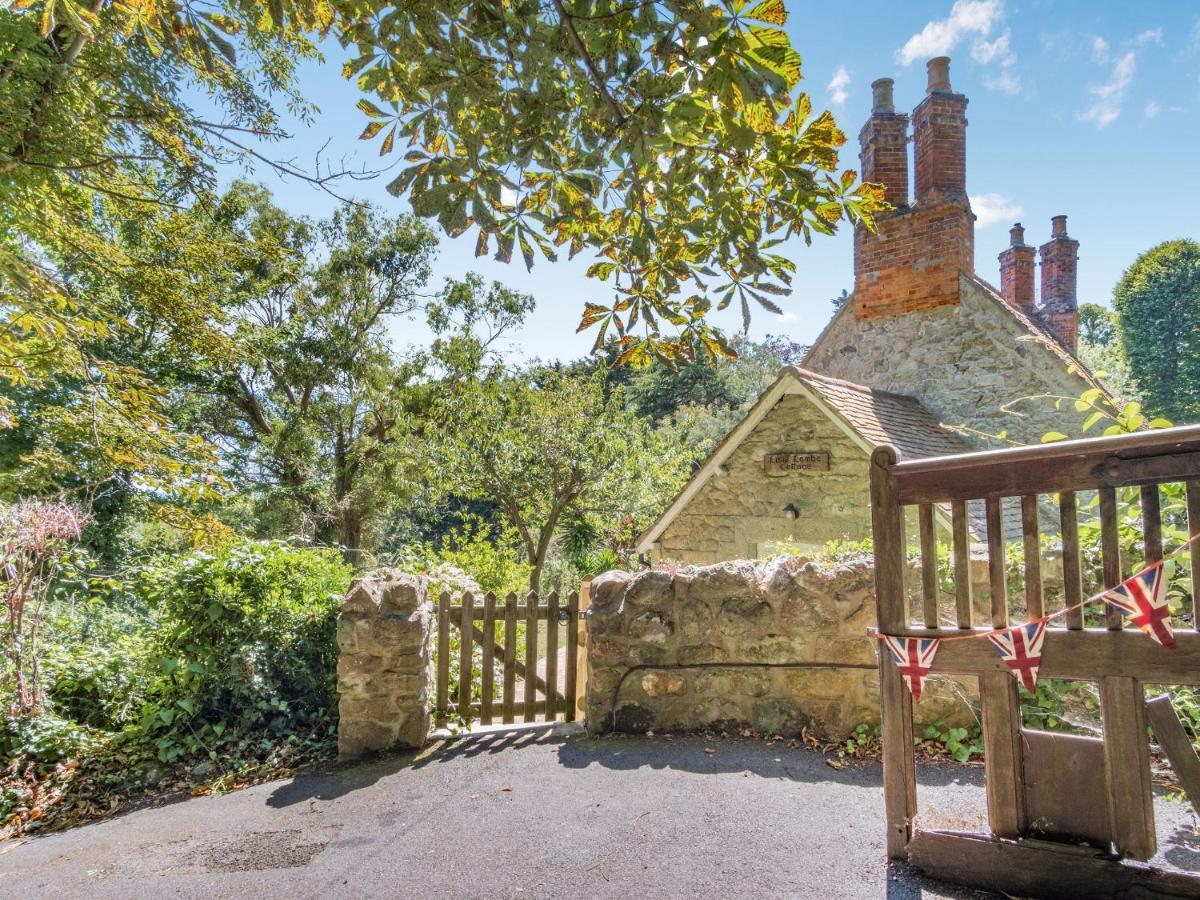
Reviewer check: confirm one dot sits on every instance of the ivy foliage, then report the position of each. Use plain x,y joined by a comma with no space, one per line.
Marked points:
246,645
666,137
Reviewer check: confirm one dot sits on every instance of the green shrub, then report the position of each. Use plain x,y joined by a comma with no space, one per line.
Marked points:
246,645
101,656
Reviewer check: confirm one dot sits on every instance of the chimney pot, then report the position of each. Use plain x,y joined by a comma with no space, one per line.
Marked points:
1017,235
939,74
881,96
1060,263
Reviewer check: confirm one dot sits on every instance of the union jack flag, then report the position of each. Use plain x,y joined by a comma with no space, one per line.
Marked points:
1021,649
914,657
1144,599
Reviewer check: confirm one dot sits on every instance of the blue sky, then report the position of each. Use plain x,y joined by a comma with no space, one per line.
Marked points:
1084,107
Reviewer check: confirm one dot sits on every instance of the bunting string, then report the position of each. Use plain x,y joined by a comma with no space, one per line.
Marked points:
1142,597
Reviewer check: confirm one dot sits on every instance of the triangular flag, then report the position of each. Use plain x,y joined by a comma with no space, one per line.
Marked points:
914,656
1021,649
1144,599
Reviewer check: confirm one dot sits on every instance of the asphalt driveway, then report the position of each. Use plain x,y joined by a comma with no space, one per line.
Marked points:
545,813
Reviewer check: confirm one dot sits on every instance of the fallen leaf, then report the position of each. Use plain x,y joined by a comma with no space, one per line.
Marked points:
835,763
474,796
709,750
506,790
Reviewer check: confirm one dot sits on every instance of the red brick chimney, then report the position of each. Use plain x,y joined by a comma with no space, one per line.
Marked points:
1016,272
913,259
940,137
884,140
1060,268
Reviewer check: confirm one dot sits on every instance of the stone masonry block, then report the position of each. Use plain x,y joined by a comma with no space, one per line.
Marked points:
383,635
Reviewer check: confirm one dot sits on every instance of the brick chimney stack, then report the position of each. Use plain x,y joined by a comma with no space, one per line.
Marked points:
914,259
1016,272
1060,268
940,137
884,140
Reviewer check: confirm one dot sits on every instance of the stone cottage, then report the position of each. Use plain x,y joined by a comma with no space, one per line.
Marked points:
924,355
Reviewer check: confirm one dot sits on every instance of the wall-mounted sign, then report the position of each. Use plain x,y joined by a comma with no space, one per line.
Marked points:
805,461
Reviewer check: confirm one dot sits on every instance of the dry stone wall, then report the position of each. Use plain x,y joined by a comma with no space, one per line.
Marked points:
383,635
772,646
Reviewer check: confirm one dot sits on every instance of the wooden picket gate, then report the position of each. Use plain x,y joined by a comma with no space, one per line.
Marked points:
1094,789
548,685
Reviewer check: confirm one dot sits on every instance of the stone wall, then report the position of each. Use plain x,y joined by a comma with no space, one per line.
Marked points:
963,362
771,646
734,513
383,635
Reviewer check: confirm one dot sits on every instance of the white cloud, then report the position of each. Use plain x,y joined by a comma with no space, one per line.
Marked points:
992,51
838,85
1152,109
968,18
1005,82
1111,94
992,208
1100,49
974,21
1149,36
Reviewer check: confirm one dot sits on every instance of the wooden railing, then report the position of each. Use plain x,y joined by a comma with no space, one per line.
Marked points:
1119,661
521,638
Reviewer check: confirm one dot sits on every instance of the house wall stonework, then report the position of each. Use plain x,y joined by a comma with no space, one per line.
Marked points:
771,646
963,362
736,512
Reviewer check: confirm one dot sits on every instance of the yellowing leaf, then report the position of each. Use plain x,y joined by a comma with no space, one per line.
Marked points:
772,11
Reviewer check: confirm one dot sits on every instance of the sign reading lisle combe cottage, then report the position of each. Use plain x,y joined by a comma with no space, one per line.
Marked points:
805,461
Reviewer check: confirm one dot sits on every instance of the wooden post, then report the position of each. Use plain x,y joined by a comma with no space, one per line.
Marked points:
465,662
1193,510
531,657
579,700
997,581
1068,518
487,694
929,579
1127,760
1002,756
552,657
964,611
510,657
571,675
1033,556
895,702
1176,745
1110,552
443,660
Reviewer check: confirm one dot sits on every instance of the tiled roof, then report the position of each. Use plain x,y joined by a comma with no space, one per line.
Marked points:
882,417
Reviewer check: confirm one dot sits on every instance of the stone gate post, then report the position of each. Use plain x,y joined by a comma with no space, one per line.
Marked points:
383,636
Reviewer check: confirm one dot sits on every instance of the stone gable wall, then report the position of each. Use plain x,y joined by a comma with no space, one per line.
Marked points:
771,646
735,512
963,362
